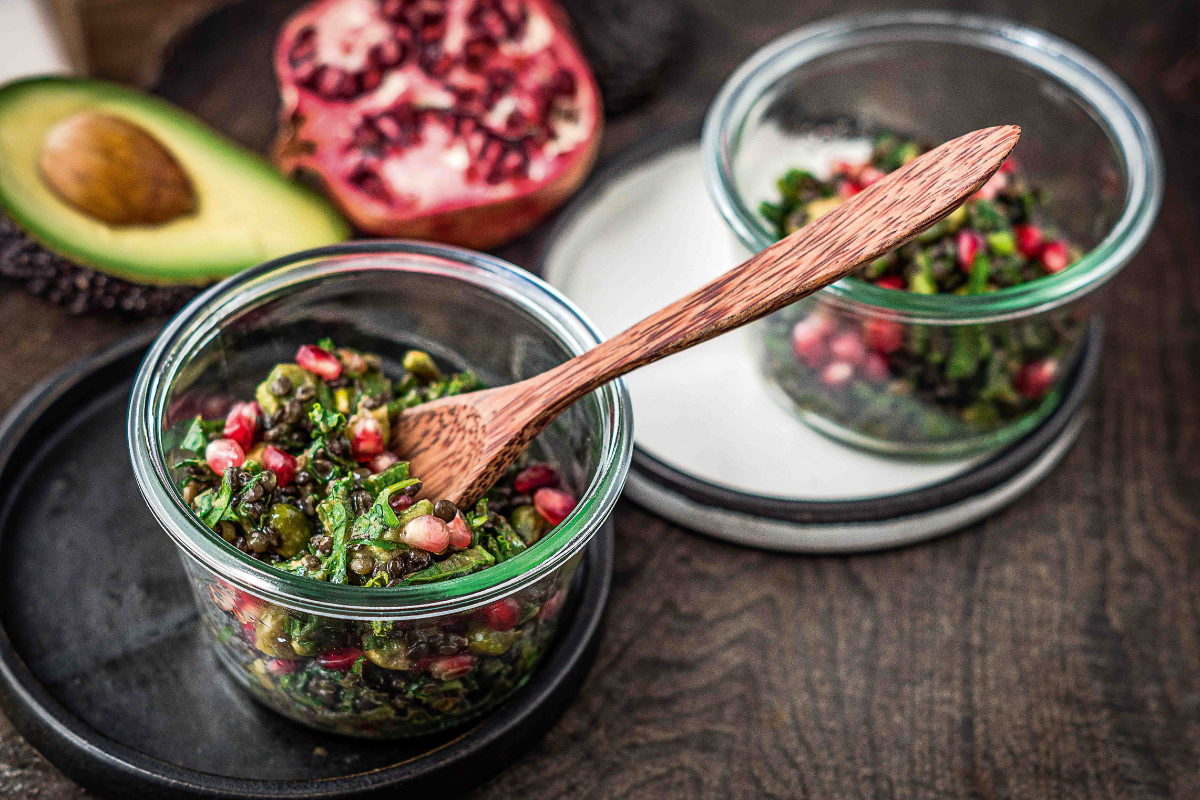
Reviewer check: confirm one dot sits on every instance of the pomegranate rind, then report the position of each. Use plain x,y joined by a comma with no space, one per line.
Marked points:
438,182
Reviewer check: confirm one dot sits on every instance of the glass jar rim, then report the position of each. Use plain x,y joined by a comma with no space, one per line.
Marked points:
1112,105
199,321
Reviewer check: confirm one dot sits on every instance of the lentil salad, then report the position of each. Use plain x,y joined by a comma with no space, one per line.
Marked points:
301,479
926,387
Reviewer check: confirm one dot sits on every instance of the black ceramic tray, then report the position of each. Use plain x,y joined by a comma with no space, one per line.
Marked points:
102,667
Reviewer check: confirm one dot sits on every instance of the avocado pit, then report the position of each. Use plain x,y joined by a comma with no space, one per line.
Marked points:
115,171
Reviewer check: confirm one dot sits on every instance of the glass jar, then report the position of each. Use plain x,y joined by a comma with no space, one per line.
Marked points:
935,375
432,662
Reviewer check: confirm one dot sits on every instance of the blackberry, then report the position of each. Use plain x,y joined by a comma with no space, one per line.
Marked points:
80,289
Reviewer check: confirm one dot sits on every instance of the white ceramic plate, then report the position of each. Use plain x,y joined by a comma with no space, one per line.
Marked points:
715,451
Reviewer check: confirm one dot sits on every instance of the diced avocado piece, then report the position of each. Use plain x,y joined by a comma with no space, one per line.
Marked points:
417,509
271,633
420,364
528,523
389,654
484,641
296,374
292,526
956,218
504,543
454,566
819,208
228,208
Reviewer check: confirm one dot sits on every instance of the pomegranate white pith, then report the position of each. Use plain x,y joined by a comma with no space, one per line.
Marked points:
464,121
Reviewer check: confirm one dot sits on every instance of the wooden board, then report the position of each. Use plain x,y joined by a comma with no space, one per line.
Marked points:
1052,651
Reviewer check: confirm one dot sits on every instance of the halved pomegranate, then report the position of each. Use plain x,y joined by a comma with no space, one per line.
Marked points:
464,121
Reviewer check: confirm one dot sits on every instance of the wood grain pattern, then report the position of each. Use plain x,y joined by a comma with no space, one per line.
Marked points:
1052,651
461,445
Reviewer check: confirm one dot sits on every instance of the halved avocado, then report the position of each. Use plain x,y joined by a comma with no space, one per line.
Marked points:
241,210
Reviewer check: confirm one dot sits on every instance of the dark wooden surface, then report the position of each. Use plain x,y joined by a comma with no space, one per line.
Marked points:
1051,651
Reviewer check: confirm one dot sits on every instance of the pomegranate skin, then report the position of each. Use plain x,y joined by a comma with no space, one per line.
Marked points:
349,69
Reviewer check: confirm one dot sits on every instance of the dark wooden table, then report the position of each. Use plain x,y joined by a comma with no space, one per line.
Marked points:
1051,651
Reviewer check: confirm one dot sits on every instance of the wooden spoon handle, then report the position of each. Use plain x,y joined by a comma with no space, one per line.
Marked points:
869,224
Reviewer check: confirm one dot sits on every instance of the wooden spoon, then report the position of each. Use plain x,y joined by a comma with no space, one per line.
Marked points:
459,446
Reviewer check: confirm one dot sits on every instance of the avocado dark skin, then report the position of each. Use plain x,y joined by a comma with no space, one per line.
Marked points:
79,289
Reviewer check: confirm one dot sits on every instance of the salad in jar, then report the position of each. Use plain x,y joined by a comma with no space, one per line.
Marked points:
301,477
926,389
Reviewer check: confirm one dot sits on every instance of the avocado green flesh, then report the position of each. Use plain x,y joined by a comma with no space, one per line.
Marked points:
248,213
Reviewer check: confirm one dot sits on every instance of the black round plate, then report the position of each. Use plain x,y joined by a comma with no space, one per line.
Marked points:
1002,467
102,666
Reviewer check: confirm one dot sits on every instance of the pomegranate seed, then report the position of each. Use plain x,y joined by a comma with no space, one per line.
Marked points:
224,595
969,243
869,176
281,463
1035,378
341,659
1029,240
241,423
884,335
450,667
366,438
318,361
248,608
848,347
384,460
400,502
553,504
552,605
848,188
808,339
281,666
501,615
995,184
845,168
533,478
893,282
876,368
221,454
426,532
1055,256
837,373
353,362
460,532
